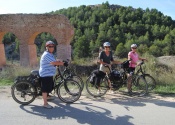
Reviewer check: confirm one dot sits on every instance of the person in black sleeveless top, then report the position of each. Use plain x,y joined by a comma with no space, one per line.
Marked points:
106,58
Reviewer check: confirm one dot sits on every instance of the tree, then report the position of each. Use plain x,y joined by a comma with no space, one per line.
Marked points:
121,50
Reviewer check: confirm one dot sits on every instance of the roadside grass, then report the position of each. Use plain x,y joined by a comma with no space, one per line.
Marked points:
6,82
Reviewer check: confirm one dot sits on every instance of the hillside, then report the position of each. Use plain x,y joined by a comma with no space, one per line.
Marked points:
122,26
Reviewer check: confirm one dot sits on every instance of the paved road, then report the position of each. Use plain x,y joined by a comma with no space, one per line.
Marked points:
116,109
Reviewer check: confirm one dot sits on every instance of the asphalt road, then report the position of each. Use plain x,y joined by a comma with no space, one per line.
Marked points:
115,109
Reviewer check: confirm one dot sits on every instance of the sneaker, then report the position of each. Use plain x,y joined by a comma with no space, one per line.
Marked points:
47,106
50,97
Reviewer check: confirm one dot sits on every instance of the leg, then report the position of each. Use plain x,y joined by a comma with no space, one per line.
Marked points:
129,85
44,94
46,88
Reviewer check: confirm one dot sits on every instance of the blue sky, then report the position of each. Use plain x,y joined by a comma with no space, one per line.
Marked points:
167,7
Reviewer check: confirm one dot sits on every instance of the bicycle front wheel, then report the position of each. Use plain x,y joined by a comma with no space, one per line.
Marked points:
150,81
69,91
77,79
97,89
23,92
139,85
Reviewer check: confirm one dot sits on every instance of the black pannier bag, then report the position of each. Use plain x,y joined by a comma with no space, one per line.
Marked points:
22,79
33,79
96,77
125,64
115,75
36,81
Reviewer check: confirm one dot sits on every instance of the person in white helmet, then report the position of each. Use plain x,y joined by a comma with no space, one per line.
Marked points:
134,57
47,70
106,58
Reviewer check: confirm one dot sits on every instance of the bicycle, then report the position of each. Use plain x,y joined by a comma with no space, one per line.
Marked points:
118,79
27,88
68,73
149,79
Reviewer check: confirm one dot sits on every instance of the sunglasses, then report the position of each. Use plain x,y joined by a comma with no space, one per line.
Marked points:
134,48
107,46
51,46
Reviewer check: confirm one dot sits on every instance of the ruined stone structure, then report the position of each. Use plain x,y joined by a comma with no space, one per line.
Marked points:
27,26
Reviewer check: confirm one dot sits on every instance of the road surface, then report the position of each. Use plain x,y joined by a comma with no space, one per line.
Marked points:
115,109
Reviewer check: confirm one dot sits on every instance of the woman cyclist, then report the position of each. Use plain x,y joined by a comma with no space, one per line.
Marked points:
47,70
134,57
105,59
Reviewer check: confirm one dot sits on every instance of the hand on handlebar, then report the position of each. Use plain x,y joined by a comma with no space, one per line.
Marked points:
107,65
140,63
65,63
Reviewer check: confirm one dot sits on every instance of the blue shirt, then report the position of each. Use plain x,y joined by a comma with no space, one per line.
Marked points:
46,69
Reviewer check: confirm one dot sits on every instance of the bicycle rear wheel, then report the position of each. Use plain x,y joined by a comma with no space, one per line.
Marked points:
69,91
150,81
23,92
97,90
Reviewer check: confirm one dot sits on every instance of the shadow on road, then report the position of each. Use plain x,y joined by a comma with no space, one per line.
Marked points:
125,100
89,114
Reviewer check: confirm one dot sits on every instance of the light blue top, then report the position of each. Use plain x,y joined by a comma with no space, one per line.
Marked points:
46,69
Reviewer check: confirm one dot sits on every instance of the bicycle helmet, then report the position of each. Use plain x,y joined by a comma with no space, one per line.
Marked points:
134,46
49,43
106,44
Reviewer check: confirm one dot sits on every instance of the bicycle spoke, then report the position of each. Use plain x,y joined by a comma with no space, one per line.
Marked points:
69,91
97,89
23,93
150,81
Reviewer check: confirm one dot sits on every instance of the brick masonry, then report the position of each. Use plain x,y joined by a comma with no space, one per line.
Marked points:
27,26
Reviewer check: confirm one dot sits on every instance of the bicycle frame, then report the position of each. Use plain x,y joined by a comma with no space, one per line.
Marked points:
140,70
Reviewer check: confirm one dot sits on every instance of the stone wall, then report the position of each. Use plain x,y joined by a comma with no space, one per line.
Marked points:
27,26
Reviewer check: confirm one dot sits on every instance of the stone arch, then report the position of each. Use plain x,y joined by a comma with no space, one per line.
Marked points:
27,26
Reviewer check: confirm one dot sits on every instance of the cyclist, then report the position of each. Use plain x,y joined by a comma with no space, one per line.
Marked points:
47,70
134,57
105,58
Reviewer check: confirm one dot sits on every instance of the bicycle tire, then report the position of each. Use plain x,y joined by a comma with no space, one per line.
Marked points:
76,78
23,92
142,86
69,91
150,81
93,89
139,85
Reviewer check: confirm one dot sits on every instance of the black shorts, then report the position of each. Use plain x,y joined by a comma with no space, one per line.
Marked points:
47,84
131,70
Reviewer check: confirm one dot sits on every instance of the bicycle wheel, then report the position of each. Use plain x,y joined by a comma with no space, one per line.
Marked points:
150,81
69,91
139,85
97,90
77,79
23,92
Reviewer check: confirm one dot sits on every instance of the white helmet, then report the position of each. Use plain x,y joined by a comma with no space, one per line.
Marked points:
134,46
49,43
106,44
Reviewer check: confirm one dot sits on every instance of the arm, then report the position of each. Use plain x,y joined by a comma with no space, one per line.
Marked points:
116,62
56,63
101,62
142,59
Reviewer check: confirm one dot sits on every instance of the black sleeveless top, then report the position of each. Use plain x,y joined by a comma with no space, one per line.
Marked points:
105,58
